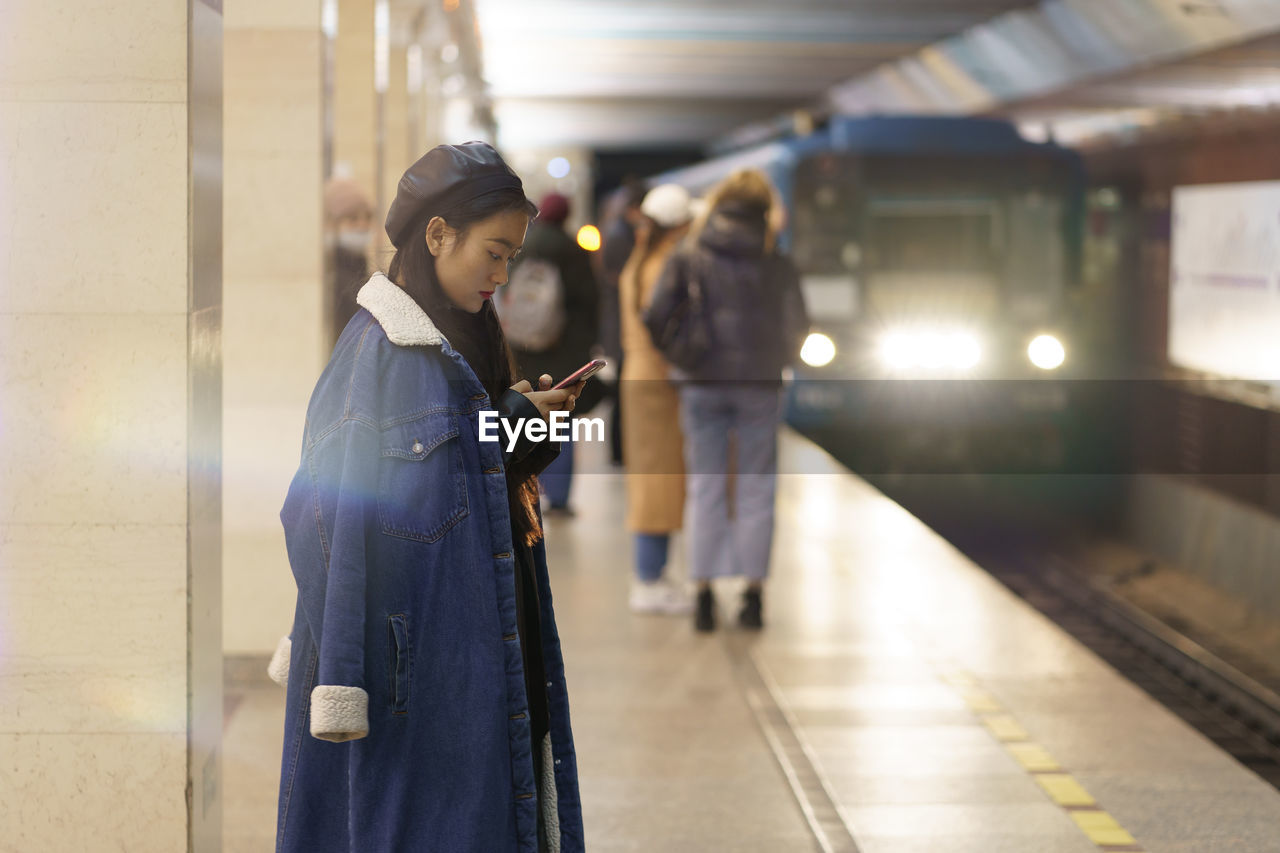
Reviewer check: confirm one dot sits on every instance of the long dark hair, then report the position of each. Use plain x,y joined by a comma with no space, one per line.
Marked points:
477,337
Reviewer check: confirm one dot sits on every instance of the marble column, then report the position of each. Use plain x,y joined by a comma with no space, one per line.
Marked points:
355,120
274,330
110,418
396,156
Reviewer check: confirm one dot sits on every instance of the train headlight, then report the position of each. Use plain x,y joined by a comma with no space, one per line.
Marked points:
1046,352
965,352
897,351
930,350
818,350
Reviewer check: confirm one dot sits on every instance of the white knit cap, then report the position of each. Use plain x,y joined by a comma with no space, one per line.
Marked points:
667,205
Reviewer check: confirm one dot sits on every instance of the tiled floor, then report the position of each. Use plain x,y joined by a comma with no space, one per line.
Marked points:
887,649
251,747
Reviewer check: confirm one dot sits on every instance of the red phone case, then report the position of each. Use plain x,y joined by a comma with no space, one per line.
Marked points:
581,373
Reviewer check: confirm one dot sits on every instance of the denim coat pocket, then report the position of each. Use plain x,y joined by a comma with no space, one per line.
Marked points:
422,489
401,664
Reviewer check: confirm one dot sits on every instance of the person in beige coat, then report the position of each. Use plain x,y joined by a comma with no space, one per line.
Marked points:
652,448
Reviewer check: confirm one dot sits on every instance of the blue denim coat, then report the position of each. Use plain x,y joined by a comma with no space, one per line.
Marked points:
407,727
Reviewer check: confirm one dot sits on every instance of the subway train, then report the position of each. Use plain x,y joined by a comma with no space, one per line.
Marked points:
938,256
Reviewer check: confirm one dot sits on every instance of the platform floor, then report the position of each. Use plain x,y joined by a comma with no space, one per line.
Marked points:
914,704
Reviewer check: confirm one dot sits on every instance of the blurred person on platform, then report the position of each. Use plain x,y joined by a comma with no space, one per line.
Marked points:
550,315
651,438
741,297
426,707
348,239
618,239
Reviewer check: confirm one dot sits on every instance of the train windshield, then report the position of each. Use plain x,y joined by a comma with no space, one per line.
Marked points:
878,221
933,235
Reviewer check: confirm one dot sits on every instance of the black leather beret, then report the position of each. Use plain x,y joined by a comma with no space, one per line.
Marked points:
444,177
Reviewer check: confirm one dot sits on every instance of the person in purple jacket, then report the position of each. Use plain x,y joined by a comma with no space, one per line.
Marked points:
754,315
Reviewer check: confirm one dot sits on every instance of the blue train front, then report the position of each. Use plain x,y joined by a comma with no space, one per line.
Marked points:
937,255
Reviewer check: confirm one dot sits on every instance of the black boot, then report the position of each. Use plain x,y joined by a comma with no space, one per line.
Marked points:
704,617
749,616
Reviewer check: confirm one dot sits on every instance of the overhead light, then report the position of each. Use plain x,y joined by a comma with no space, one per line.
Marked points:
558,167
381,45
589,237
1046,352
329,18
818,350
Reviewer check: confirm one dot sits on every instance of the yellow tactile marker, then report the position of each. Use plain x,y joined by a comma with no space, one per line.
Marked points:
1100,827
980,701
1005,728
1065,790
1033,757
959,679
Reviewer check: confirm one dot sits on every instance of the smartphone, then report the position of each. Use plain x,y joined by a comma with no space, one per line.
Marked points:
591,367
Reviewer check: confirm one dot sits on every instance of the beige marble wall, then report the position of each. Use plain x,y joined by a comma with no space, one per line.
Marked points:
109,354
273,286
355,124
396,133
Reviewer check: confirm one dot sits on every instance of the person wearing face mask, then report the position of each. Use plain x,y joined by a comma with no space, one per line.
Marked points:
426,705
348,235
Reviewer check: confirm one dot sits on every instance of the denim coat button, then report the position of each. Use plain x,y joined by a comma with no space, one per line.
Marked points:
417,447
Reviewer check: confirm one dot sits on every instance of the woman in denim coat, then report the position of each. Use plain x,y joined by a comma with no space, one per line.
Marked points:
426,702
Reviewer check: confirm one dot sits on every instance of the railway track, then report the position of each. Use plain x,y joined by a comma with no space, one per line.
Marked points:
1239,713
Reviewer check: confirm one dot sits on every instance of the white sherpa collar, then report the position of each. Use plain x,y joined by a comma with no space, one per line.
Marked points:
405,323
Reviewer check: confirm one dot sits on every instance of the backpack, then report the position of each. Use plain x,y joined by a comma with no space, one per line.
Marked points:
680,326
531,306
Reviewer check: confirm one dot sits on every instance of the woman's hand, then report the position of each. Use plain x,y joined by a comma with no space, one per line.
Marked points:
547,400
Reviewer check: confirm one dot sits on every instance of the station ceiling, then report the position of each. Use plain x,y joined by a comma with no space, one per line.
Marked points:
1234,80
629,73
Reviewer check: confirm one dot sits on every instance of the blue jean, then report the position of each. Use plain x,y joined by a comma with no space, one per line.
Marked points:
557,477
651,555
709,413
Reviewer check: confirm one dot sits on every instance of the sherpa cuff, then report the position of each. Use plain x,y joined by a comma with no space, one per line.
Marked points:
339,713
278,669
